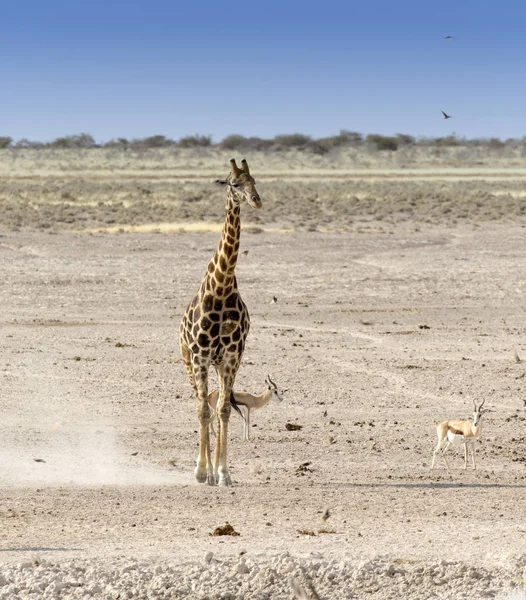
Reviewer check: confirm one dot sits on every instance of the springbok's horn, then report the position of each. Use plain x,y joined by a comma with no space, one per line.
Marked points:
474,405
482,403
234,167
271,382
244,166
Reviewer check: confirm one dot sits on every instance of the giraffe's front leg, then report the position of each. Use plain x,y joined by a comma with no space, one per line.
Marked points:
223,412
204,471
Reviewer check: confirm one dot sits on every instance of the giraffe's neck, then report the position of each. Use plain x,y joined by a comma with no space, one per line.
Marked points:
221,269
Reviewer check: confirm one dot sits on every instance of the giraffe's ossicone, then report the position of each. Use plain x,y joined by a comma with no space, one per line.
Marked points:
214,328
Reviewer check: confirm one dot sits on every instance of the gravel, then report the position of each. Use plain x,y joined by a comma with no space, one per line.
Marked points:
259,578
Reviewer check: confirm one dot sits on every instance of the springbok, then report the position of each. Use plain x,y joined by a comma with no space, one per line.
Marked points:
244,402
459,432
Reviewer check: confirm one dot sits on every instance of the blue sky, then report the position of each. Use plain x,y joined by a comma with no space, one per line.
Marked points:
137,68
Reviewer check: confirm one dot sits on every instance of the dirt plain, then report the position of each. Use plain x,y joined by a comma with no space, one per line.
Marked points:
401,300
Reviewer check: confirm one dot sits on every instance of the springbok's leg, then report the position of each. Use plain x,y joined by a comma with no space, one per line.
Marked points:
247,425
466,452
473,455
436,451
244,410
444,453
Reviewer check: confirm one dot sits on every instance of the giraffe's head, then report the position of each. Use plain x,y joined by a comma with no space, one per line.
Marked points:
242,184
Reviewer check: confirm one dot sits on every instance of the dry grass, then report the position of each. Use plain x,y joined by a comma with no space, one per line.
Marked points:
170,189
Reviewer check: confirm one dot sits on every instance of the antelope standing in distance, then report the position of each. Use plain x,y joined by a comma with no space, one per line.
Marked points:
458,432
244,402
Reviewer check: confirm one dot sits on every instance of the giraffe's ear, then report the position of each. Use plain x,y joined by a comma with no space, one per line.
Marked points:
220,182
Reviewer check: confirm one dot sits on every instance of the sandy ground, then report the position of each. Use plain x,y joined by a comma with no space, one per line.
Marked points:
376,337
382,327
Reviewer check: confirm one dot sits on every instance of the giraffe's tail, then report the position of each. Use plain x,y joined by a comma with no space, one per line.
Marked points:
235,405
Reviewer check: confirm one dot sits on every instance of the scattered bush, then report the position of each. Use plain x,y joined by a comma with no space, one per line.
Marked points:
80,140
382,142
258,144
450,140
291,140
233,142
25,143
153,141
345,139
117,143
321,146
353,138
195,141
405,140
496,143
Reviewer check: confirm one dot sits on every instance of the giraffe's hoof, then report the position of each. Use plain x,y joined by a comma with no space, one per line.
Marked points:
211,480
201,475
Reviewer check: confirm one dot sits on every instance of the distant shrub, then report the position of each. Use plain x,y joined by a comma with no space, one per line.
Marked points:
496,143
25,143
283,142
236,141
233,142
425,141
449,140
291,140
382,142
345,138
152,141
195,141
258,144
321,146
80,140
474,142
405,140
117,143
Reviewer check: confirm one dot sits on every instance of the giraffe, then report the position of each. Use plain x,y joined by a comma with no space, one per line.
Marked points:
214,328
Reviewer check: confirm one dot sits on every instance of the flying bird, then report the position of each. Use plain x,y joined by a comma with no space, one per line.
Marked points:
449,37
326,514
244,253
446,116
274,300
